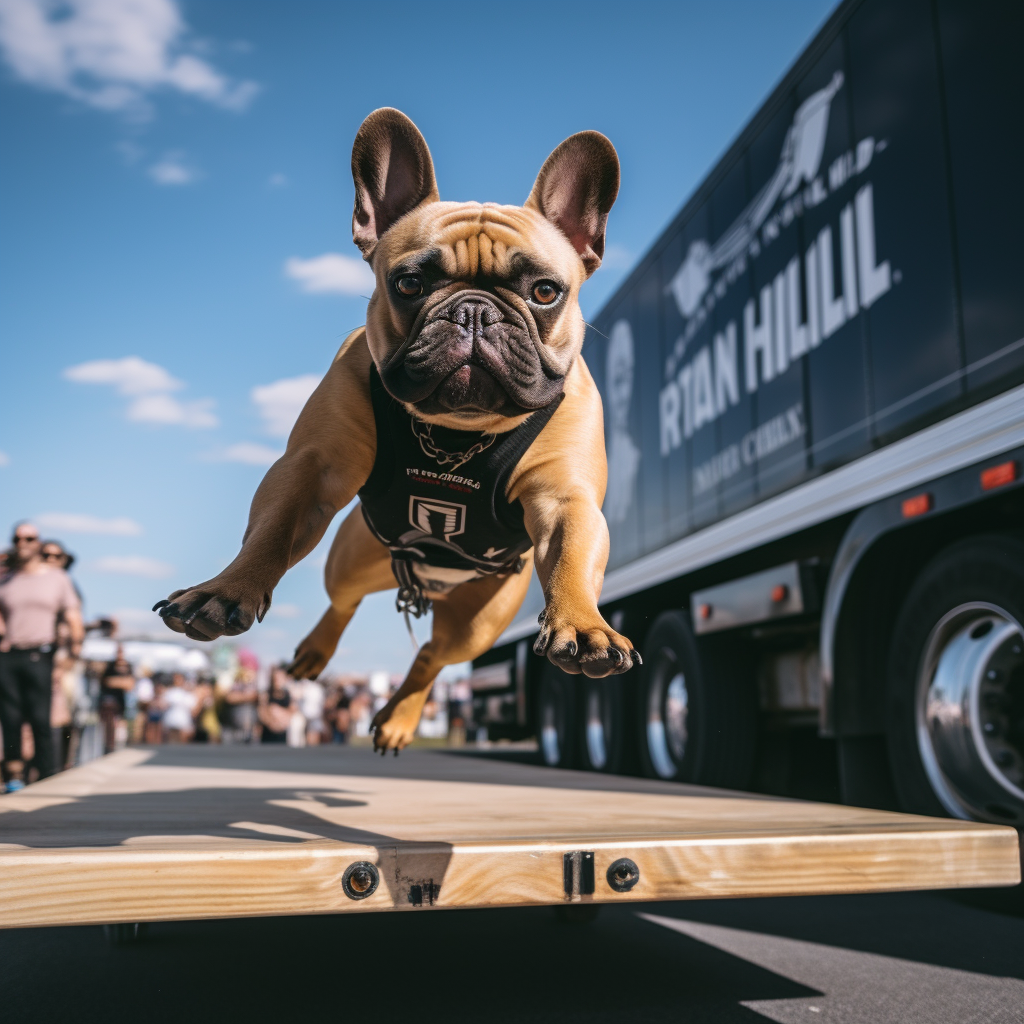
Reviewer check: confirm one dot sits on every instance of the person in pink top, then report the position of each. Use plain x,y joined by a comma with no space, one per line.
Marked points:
34,595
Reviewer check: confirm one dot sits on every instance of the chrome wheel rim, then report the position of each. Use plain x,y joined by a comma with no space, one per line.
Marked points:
970,713
667,708
597,746
549,741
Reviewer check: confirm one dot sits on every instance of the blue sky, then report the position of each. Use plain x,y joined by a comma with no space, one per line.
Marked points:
176,265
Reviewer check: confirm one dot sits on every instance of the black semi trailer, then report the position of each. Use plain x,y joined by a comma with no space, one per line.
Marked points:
813,387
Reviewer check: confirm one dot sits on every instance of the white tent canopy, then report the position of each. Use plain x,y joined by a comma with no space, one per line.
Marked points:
157,657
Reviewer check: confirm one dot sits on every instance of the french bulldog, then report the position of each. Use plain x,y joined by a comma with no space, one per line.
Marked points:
464,417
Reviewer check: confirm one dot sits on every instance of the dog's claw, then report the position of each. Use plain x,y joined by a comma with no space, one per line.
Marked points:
635,655
264,607
161,604
616,655
571,648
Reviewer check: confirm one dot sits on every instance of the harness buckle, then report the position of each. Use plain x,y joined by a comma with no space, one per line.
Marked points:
413,601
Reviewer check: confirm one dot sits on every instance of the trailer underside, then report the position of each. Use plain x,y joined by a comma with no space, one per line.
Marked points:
183,833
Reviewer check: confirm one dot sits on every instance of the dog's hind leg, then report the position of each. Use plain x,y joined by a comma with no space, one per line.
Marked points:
466,623
358,564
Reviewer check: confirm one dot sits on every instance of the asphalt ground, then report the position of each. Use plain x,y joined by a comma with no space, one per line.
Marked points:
904,957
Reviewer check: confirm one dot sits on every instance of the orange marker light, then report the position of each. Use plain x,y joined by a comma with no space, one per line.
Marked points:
998,476
704,611
917,506
779,593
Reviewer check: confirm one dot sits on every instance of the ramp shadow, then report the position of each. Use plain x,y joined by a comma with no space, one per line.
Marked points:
110,819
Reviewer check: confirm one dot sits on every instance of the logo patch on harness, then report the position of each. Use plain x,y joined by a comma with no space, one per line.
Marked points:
442,519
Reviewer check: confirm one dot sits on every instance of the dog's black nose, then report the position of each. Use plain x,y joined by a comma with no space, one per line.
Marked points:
474,315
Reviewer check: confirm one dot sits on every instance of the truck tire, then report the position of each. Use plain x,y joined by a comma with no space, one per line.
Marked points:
697,707
955,699
556,718
601,742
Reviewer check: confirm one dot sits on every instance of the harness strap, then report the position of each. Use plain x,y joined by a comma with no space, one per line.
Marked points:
410,600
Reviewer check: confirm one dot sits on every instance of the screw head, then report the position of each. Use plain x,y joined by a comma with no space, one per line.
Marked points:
360,880
623,875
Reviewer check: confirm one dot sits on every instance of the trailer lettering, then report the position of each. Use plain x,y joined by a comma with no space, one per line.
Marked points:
816,294
875,280
791,316
769,437
668,410
727,386
703,394
758,340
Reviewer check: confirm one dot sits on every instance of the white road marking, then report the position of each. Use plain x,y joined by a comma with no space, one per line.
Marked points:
861,988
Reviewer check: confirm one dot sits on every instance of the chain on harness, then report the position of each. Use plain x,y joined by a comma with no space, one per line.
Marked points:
422,433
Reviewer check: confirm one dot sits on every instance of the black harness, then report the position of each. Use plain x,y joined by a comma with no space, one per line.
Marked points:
436,497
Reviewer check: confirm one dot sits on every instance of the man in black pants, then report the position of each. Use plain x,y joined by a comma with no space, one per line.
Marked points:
32,598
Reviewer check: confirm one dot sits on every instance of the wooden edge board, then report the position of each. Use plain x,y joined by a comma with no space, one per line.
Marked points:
135,884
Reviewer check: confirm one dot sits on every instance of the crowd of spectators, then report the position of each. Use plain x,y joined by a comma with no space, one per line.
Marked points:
61,705
57,710
179,707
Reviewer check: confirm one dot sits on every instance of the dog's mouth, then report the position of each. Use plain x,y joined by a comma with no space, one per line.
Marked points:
470,388
472,354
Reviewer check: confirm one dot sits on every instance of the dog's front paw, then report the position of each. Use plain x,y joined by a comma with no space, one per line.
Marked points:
308,662
213,609
394,726
588,645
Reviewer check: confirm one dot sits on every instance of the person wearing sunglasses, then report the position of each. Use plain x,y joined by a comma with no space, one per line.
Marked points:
34,594
53,553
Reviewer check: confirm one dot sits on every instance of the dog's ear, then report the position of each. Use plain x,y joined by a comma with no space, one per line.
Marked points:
393,174
575,190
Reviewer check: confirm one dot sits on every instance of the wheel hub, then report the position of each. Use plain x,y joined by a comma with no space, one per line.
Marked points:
970,713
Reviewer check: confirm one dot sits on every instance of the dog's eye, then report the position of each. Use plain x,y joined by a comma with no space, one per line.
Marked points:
409,285
545,292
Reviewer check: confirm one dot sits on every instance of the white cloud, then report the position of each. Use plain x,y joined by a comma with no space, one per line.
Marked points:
165,409
131,375
278,180
173,169
75,522
5,459
281,402
134,565
148,385
110,54
285,611
331,272
247,452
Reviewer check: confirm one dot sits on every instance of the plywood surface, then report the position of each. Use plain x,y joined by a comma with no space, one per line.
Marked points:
192,832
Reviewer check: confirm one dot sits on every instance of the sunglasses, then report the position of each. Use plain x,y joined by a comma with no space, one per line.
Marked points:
54,556
26,540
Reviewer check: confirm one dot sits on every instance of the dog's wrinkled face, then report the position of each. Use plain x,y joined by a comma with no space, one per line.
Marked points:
475,319
475,310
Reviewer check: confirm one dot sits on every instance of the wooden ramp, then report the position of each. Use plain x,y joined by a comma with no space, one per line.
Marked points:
203,832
